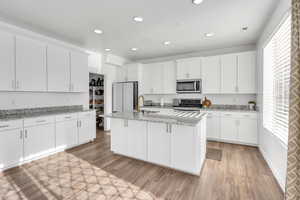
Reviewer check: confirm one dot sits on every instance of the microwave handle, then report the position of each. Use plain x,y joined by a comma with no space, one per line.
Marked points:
195,85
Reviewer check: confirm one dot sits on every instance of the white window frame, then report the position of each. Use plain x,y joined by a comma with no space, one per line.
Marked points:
283,20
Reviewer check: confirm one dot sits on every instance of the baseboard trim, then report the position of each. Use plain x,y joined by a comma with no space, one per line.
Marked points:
275,172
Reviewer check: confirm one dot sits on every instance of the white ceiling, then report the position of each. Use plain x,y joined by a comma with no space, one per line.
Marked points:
178,21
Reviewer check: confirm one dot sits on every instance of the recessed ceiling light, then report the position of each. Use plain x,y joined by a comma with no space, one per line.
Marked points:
209,34
107,49
134,49
138,19
197,2
167,42
245,28
98,31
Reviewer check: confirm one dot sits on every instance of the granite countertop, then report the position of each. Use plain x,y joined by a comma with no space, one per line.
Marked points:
159,118
213,108
6,115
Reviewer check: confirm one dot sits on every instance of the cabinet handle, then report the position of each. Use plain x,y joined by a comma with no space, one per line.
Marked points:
17,85
167,128
170,128
4,126
25,133
68,117
21,134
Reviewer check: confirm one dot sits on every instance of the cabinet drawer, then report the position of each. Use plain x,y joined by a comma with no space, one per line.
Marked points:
86,114
66,117
247,115
212,114
38,121
229,114
8,125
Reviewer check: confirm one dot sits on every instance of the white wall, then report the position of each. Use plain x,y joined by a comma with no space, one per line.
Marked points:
273,150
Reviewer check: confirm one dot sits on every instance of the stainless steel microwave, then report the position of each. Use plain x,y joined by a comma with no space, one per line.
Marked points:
189,86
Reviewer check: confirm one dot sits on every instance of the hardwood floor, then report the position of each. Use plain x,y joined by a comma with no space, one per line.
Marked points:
91,171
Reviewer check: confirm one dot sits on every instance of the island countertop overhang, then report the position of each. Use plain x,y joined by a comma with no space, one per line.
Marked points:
159,118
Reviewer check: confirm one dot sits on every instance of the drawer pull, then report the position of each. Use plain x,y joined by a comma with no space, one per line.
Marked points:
228,114
40,121
68,117
4,126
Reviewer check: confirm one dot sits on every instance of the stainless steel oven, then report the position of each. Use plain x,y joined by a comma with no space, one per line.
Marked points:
189,86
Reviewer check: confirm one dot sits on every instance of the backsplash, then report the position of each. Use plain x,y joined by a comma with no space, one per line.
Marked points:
216,99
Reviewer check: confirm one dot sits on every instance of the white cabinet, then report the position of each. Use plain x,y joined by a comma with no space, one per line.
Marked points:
247,72
211,75
7,62
58,69
11,147
31,72
79,72
248,129
189,68
229,73
159,144
66,134
39,140
152,82
213,126
137,139
133,72
229,129
169,77
121,74
86,127
183,143
119,136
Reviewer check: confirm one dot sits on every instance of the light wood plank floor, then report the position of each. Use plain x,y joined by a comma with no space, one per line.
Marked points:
91,171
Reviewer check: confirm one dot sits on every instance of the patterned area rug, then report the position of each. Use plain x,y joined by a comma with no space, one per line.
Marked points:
214,154
64,176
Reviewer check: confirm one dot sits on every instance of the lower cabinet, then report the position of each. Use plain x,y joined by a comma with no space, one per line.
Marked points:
66,134
11,147
39,140
137,139
119,136
86,127
233,127
159,143
213,126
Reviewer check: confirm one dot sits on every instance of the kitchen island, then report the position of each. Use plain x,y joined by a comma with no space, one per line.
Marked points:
176,140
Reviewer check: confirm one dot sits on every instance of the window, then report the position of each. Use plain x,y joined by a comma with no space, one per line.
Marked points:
276,81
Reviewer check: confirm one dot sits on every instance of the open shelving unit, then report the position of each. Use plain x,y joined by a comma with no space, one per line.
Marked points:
96,88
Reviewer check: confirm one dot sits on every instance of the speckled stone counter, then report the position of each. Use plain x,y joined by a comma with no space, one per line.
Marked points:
6,115
157,118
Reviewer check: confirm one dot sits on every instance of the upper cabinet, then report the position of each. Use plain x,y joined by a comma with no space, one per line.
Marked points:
211,75
159,78
79,72
58,66
7,62
229,73
246,72
134,72
189,68
31,70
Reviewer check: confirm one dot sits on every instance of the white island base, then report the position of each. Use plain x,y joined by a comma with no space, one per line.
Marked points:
175,146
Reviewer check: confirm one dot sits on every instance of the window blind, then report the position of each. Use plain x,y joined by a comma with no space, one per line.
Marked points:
276,81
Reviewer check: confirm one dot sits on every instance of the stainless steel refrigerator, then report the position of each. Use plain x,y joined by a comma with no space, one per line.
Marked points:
125,96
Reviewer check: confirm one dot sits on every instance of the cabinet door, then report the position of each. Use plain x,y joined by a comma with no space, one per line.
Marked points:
133,72
247,72
79,72
66,134
183,142
11,148
169,78
7,60
157,78
121,74
211,75
229,130
39,140
213,127
146,82
137,139
229,74
189,68
247,131
159,144
86,128
119,137
31,72
58,66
